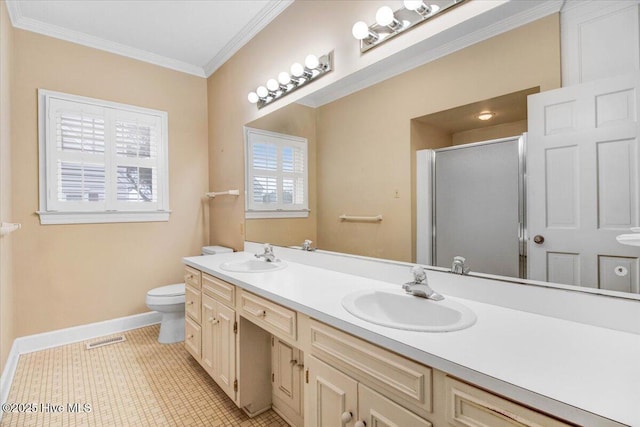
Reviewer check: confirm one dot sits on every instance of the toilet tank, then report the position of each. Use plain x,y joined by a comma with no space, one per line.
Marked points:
213,250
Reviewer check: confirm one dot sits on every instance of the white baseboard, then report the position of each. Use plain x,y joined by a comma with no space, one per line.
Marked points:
31,343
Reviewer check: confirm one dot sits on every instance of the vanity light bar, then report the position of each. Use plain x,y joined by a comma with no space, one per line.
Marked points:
389,23
286,83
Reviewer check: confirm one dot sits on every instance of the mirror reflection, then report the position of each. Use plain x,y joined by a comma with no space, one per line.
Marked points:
442,182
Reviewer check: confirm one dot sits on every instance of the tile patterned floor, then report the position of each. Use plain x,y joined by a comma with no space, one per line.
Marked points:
138,382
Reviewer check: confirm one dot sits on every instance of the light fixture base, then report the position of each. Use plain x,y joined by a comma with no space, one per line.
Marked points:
409,19
325,65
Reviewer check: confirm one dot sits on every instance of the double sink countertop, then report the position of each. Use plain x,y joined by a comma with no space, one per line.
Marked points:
561,367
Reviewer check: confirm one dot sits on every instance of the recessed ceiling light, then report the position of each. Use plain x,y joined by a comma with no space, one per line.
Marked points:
486,115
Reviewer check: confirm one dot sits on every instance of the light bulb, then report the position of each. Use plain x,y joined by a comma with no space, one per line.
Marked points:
486,115
253,97
262,92
360,30
413,4
284,78
272,85
297,70
311,62
384,16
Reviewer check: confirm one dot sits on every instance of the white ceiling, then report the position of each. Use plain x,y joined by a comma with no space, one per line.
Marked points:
192,36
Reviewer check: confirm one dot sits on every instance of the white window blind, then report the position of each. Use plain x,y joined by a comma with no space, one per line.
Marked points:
101,161
277,176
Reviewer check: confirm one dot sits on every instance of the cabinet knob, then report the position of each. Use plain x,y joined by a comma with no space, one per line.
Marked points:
360,423
210,319
538,239
263,313
190,336
346,417
293,362
190,303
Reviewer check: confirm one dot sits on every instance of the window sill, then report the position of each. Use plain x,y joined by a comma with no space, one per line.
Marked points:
275,214
101,217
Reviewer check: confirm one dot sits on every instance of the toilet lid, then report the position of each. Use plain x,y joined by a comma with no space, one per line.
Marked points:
167,291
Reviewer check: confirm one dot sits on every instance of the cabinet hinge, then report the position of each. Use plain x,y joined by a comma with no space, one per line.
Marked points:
272,341
273,377
235,327
306,376
235,385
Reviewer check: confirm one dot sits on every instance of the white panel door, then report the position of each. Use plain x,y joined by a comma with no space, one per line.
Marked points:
582,174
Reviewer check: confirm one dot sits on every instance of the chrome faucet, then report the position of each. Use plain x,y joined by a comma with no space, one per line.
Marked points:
458,266
268,254
419,286
306,246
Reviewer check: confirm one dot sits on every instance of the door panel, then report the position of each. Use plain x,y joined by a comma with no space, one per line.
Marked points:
331,393
378,411
208,349
582,176
225,349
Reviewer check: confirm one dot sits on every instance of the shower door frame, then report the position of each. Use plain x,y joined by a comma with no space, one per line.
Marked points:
427,228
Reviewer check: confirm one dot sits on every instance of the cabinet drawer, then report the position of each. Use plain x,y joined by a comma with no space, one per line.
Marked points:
192,277
192,338
402,380
271,316
192,303
468,406
219,290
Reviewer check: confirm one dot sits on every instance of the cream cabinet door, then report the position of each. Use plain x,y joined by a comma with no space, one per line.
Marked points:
286,377
375,410
208,325
224,348
330,396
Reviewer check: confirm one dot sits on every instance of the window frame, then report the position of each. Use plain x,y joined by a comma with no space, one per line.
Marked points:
283,140
52,211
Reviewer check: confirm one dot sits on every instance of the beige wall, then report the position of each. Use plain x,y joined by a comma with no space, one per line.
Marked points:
490,132
296,120
6,277
68,275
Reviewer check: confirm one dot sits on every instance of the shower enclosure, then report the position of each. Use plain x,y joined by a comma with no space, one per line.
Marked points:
471,203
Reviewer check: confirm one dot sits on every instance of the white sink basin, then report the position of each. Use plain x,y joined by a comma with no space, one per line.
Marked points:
399,310
252,266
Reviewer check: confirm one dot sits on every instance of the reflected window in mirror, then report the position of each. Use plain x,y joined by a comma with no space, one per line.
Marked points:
277,182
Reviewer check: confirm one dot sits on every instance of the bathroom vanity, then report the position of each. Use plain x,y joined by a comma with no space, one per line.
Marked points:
282,338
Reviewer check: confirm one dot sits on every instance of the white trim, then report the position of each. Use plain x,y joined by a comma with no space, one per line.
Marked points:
261,20
267,14
276,214
424,196
43,341
94,42
47,218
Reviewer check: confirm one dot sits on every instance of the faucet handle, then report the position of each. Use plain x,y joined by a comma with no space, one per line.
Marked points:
459,259
419,275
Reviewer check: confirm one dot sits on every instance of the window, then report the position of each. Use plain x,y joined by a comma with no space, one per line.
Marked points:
101,161
277,176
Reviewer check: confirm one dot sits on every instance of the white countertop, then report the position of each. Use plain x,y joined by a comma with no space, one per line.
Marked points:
551,364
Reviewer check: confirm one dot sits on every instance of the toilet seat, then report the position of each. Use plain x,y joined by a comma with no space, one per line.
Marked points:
167,291
166,295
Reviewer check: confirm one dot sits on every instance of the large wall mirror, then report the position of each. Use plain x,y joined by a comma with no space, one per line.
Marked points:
362,163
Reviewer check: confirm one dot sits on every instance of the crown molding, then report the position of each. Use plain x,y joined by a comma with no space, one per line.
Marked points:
511,15
261,20
84,39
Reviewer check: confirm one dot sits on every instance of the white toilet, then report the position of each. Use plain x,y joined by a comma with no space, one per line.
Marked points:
169,301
